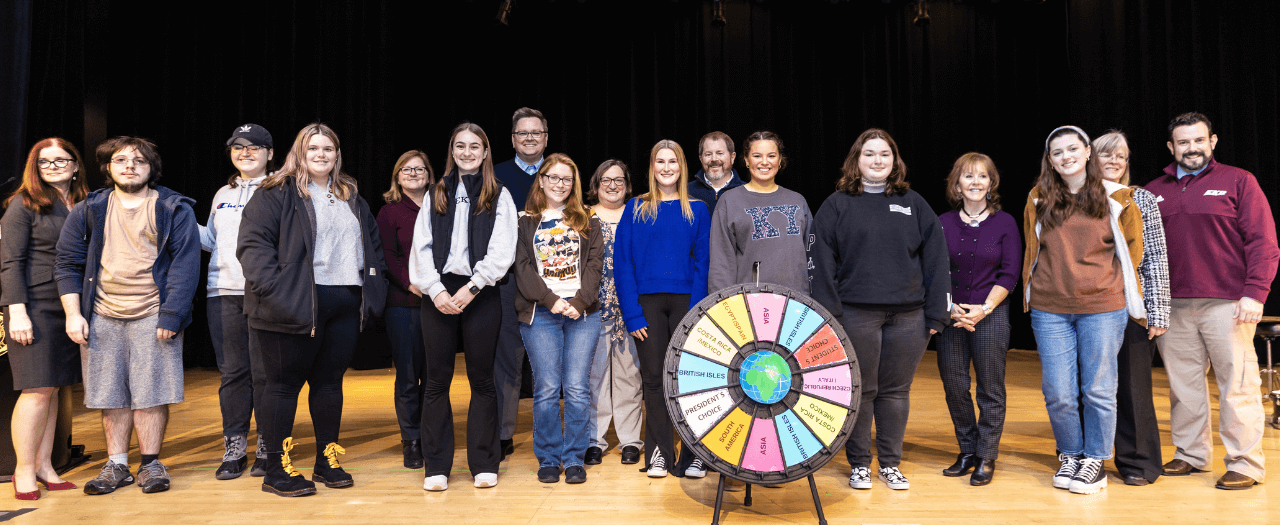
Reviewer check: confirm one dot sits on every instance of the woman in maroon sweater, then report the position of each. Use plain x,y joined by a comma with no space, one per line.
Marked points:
409,182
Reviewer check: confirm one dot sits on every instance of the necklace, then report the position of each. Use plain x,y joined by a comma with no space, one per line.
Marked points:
973,218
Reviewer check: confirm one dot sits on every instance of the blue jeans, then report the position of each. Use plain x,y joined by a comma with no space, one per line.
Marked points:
404,329
560,351
1078,354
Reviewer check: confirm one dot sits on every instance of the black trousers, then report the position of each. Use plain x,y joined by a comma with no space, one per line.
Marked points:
241,369
290,360
1137,432
986,348
663,312
475,330
889,346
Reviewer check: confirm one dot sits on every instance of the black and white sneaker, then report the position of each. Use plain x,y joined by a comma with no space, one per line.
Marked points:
1091,477
860,478
893,477
1070,465
696,470
657,465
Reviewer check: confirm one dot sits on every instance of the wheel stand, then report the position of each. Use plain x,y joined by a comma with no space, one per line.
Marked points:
746,500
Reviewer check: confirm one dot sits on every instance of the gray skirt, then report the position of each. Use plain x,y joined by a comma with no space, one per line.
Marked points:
52,359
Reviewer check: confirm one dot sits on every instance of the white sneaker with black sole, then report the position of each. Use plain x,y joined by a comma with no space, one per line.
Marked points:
696,470
860,478
1067,472
657,465
893,477
1091,477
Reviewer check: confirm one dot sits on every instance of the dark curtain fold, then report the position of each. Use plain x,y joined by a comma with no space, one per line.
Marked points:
15,26
614,77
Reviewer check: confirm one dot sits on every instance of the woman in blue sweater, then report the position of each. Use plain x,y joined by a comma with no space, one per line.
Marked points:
660,263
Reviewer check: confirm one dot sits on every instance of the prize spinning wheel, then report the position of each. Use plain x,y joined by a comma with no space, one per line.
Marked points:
762,384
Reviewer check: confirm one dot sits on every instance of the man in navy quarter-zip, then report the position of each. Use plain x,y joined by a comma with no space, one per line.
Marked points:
529,138
127,268
715,151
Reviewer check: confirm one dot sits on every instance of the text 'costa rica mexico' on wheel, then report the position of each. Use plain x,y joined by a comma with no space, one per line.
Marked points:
761,383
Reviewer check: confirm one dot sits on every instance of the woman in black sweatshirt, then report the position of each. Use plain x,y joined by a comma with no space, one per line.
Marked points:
880,267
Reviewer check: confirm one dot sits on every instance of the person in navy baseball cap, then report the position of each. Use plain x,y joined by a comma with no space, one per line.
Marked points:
255,134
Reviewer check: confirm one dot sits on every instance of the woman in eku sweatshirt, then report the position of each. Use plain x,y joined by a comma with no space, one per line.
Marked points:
660,258
880,267
250,147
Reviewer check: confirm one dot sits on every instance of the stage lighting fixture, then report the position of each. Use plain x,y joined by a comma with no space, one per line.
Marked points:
504,12
922,15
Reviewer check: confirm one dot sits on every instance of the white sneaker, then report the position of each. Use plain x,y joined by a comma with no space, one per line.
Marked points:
893,477
485,480
860,478
435,483
657,465
696,470
1091,477
1070,464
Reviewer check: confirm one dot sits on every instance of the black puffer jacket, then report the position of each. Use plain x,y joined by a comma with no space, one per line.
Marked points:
275,246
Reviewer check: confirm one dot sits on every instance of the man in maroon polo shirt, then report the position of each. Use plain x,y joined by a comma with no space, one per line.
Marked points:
1222,258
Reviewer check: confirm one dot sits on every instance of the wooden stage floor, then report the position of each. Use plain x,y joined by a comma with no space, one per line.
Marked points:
387,493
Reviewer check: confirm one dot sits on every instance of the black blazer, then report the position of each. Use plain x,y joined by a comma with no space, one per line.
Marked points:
28,249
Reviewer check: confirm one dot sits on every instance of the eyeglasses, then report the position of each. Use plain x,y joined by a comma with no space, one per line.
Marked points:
558,180
528,134
618,181
1117,156
124,161
413,171
253,150
57,163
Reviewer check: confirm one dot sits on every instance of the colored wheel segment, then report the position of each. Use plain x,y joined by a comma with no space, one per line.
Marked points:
761,383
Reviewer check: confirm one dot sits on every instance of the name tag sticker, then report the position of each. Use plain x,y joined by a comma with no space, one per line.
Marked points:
373,271
1214,193
900,209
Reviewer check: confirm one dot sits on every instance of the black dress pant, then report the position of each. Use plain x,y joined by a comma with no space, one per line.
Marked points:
241,369
663,312
290,360
477,326
1137,432
986,348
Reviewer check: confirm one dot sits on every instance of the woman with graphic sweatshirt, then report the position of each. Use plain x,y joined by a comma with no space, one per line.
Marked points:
1084,243
250,147
660,258
880,267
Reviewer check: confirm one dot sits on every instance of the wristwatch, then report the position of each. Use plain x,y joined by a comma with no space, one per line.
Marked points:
986,308
473,289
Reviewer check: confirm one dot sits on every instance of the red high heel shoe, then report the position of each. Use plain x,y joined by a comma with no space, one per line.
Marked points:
65,485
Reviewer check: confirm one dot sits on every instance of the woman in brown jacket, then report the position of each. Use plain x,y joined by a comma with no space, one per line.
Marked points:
559,258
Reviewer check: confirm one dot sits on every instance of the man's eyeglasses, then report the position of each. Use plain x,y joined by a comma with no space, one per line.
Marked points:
253,150
529,134
57,163
124,161
558,180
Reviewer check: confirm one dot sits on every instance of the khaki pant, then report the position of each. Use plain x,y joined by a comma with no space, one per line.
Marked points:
1202,333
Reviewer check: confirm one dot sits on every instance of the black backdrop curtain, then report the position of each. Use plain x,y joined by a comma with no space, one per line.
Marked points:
614,77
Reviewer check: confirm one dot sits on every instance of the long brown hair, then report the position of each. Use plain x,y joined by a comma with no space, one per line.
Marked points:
396,192
851,175
575,214
37,194
489,191
344,186
1056,202
648,208
965,163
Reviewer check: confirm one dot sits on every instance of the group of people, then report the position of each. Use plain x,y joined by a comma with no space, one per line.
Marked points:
591,283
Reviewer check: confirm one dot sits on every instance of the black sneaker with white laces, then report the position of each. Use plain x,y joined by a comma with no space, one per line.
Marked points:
657,465
697,469
1067,472
1091,477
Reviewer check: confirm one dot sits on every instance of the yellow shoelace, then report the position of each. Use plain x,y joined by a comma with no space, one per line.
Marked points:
284,458
331,453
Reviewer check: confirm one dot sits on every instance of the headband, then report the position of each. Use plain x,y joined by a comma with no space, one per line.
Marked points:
1083,135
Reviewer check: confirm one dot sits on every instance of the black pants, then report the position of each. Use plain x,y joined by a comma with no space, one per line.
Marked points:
986,347
889,346
290,360
241,368
1137,433
477,326
663,312
404,329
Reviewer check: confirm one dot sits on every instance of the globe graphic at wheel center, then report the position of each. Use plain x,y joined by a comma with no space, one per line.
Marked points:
765,377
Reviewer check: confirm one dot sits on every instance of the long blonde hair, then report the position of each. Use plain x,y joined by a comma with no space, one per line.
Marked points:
489,191
396,192
575,214
648,208
344,186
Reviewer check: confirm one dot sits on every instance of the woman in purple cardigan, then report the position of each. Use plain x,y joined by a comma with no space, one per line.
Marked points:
985,252
409,182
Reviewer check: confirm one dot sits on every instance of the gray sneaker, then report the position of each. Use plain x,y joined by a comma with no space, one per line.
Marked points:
153,477
112,477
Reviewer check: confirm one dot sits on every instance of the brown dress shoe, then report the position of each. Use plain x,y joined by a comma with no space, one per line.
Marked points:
1234,481
1179,467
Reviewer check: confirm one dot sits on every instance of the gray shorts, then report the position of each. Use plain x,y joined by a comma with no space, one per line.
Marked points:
126,366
